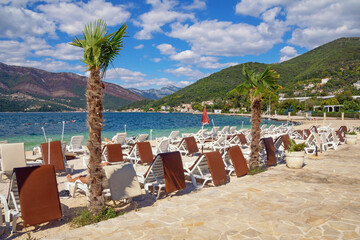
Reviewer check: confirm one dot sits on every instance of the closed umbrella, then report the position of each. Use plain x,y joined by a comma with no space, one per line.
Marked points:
205,118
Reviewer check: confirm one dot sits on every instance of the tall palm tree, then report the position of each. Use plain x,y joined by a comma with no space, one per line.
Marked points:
100,50
255,85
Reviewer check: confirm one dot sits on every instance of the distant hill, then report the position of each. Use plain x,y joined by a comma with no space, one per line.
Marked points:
38,90
339,60
155,93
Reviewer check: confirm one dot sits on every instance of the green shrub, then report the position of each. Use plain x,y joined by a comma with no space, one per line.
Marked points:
86,217
296,147
351,133
257,170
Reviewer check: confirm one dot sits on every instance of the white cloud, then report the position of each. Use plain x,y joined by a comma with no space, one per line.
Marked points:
140,46
188,72
256,7
190,57
166,49
156,60
125,75
20,22
63,51
160,14
218,38
320,22
71,17
313,22
287,53
197,4
20,52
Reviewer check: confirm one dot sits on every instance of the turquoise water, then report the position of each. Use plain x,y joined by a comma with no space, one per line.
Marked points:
27,127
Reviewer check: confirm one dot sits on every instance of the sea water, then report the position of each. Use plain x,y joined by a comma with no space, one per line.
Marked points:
31,128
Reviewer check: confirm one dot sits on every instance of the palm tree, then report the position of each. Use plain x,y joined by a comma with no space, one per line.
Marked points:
255,85
100,50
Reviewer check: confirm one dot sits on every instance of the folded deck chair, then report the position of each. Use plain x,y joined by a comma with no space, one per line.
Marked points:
200,135
301,134
188,146
33,196
166,171
113,153
12,156
76,144
312,143
122,180
314,129
270,151
307,133
340,136
208,167
238,139
56,156
327,143
238,161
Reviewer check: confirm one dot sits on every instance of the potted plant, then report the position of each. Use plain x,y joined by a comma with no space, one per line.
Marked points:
295,155
351,137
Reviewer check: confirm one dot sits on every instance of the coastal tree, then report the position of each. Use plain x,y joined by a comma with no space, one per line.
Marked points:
255,85
100,50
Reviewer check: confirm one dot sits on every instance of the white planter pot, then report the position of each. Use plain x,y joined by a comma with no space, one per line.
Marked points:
351,139
294,159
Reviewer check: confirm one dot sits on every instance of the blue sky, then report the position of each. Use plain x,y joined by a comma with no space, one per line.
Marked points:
169,41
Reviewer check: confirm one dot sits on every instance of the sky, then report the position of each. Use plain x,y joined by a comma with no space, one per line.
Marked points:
169,41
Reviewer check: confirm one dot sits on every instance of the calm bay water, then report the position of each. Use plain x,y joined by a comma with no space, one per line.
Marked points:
27,127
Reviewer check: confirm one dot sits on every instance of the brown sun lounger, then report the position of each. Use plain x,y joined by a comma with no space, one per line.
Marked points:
56,155
340,136
270,151
286,141
238,161
216,167
307,133
242,138
173,171
38,194
145,152
114,153
301,133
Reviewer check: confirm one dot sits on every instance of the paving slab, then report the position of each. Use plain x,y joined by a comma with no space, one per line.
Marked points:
319,201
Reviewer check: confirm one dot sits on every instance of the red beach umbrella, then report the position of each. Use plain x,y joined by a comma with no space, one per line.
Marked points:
205,118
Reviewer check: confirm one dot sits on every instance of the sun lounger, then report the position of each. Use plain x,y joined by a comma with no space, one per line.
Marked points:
270,151
188,146
208,167
122,181
238,161
163,146
145,152
76,144
219,144
12,156
139,138
113,153
33,196
56,156
166,171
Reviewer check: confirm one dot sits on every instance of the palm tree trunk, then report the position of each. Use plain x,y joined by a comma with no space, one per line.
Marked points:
94,97
255,132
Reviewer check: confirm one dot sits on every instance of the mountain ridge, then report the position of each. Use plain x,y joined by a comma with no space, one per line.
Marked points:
54,89
155,93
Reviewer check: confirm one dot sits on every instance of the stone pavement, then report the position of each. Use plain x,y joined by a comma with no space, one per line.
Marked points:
320,201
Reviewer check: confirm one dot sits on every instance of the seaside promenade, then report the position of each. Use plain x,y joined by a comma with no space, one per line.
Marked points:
320,201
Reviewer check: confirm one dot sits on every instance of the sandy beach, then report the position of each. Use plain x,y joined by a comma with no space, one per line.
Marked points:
71,206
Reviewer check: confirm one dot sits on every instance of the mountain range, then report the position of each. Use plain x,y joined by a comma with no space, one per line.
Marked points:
156,93
338,60
31,89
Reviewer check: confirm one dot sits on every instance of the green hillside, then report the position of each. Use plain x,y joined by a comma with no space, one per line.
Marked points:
339,60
